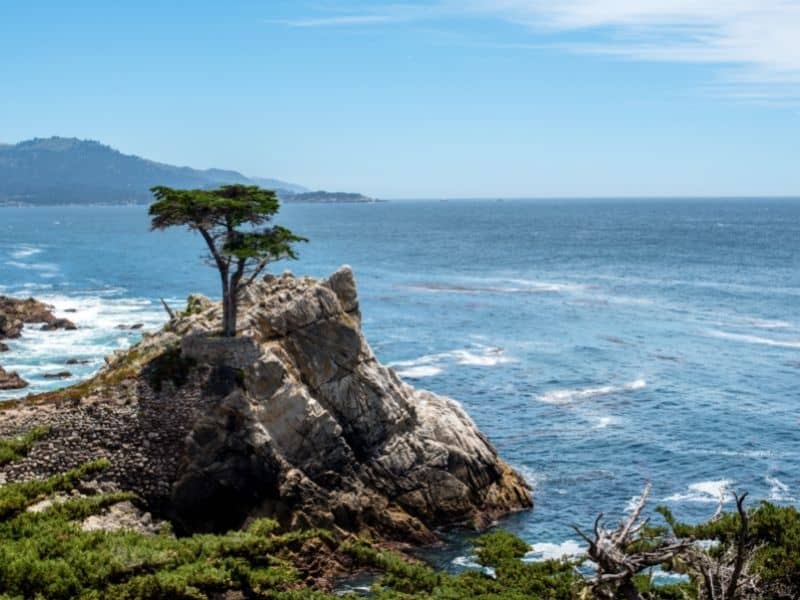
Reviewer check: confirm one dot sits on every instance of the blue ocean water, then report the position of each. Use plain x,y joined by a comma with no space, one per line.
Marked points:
599,344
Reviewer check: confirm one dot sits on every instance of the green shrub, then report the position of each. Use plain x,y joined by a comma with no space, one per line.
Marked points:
16,448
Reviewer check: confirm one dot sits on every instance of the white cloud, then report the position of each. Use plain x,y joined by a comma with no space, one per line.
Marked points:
756,43
760,38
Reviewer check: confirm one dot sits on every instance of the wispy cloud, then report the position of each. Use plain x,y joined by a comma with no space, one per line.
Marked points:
755,43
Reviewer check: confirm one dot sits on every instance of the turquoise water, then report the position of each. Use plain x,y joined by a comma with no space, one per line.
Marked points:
599,344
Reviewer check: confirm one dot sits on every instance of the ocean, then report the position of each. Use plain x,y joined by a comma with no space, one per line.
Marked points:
599,344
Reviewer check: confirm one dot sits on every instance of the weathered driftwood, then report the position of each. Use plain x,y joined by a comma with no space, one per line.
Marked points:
622,553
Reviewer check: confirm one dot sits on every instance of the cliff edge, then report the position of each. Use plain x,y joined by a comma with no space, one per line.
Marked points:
295,419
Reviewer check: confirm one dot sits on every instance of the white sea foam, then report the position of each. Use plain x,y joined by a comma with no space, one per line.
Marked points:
570,395
778,491
603,422
37,353
488,357
542,551
38,267
770,324
498,286
704,492
25,251
466,562
430,365
754,339
420,372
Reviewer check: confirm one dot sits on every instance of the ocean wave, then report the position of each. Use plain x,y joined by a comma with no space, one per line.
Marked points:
498,286
98,334
704,492
430,365
420,372
38,267
542,551
769,324
778,491
25,251
754,339
604,422
570,395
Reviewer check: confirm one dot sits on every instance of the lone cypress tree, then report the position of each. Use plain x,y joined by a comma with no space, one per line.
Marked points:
234,222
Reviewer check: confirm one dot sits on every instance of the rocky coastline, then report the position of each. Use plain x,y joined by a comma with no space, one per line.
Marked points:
294,420
14,315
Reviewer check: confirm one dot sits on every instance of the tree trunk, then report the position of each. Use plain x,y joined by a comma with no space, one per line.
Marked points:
228,306
229,313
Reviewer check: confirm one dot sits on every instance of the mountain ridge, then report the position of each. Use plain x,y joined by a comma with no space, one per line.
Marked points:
68,170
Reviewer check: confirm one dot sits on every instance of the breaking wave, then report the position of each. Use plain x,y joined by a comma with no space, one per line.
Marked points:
754,339
548,551
704,492
778,491
431,365
570,395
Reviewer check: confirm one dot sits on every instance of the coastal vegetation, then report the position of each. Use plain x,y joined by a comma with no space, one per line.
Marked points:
47,551
228,219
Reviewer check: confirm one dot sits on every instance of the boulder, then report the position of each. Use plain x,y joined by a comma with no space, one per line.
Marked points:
15,313
11,381
59,375
55,324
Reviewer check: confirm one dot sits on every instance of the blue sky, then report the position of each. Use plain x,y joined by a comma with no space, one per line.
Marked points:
477,98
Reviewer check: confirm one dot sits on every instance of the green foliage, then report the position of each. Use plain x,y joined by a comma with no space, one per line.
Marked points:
16,497
46,554
229,205
512,579
232,220
13,449
498,547
774,531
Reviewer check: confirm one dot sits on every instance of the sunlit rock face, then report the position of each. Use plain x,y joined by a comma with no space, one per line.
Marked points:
294,419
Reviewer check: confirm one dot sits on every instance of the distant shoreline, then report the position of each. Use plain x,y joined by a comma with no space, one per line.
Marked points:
623,199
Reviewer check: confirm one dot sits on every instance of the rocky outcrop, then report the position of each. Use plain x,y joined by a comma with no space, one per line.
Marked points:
15,313
295,419
11,381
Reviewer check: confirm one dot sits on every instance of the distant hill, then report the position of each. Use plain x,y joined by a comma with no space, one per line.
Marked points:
327,197
60,170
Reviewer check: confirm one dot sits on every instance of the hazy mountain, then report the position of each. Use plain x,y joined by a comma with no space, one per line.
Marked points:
72,171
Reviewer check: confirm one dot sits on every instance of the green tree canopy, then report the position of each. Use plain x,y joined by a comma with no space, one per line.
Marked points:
235,222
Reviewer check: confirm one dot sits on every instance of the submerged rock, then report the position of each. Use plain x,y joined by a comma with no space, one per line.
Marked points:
59,375
295,419
4,347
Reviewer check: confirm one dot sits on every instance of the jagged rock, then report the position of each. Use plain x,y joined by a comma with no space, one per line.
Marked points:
319,432
122,516
11,381
55,324
15,313
295,419
135,327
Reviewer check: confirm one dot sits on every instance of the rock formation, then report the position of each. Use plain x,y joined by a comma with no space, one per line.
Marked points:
295,419
11,381
14,314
